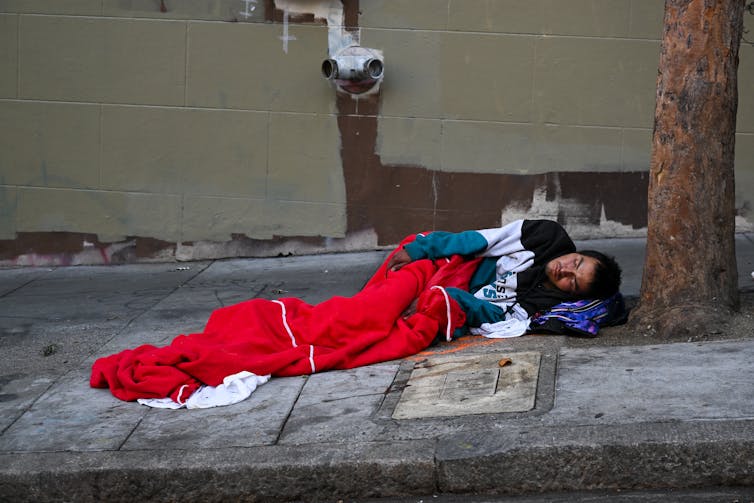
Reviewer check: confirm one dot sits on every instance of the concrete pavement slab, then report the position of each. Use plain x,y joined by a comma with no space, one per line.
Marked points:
17,394
745,259
311,278
70,416
53,319
154,327
14,278
70,294
257,420
654,383
60,317
347,421
330,387
339,406
51,348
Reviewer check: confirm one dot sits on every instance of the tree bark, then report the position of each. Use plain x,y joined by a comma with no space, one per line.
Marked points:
690,277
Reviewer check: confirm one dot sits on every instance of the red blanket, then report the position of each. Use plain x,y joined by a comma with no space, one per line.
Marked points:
290,337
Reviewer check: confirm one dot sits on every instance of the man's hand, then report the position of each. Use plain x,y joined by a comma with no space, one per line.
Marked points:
411,309
398,260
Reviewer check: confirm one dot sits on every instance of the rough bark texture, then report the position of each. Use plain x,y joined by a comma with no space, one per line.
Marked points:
690,277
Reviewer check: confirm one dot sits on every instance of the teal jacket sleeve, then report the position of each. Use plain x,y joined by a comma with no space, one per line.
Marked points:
442,244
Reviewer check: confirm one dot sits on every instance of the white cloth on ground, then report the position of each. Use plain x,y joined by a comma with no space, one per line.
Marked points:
502,329
235,388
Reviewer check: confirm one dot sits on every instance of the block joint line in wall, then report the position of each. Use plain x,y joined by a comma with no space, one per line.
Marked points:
248,8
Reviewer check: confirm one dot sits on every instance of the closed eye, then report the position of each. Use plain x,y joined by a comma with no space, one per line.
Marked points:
579,261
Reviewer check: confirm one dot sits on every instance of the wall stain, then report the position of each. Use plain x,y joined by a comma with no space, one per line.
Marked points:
64,248
396,200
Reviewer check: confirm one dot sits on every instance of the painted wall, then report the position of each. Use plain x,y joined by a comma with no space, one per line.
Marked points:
189,129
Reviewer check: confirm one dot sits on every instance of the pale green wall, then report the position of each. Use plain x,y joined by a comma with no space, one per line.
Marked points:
119,125
531,87
119,120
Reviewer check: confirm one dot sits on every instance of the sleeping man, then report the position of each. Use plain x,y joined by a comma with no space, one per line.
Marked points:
529,266
524,272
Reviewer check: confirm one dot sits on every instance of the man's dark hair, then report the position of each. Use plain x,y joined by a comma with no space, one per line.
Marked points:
606,277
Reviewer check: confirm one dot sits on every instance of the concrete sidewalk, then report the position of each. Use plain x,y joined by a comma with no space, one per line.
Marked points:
588,416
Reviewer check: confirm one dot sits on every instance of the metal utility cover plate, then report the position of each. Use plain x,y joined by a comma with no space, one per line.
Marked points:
454,385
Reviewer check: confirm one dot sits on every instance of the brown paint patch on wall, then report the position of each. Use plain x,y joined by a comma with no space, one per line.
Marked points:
44,243
623,195
396,200
64,247
73,248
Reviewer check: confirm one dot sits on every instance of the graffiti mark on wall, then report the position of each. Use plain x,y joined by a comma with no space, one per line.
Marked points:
249,6
286,37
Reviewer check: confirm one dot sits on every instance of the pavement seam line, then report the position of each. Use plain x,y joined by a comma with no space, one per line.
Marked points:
290,411
217,297
544,398
133,430
33,402
146,310
93,352
32,280
436,470
176,288
52,381
260,290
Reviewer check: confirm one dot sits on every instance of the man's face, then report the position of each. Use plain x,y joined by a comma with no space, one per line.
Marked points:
572,273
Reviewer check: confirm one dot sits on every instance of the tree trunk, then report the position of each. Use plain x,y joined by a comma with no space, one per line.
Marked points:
690,278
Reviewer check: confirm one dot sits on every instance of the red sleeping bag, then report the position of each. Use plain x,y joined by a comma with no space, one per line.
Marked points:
290,337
